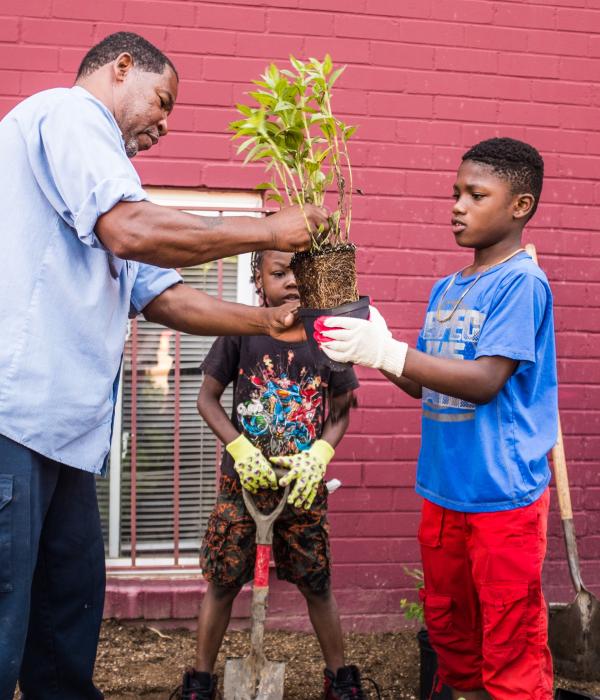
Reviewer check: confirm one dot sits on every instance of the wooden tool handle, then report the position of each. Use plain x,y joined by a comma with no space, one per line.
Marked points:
561,476
559,460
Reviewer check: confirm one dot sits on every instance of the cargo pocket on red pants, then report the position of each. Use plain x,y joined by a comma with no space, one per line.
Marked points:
504,609
438,615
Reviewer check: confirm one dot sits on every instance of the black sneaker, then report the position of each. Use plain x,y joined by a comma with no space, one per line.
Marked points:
345,684
197,685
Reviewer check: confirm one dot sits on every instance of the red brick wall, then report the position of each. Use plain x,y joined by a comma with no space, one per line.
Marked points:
426,79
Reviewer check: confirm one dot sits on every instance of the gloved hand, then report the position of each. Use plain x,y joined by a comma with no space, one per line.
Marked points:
368,343
377,319
253,467
307,469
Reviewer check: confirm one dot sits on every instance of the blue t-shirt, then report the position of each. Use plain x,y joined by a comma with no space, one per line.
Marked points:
491,457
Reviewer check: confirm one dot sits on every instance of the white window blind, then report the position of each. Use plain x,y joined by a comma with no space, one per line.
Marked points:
156,411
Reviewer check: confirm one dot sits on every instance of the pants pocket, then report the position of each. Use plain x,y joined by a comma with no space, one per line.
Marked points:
503,609
430,527
438,613
6,496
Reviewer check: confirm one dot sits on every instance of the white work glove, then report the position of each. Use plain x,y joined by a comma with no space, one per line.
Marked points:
368,343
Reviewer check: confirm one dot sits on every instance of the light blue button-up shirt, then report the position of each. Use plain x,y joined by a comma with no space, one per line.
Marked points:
64,298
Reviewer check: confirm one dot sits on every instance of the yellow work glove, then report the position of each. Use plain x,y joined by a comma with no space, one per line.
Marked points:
307,469
253,467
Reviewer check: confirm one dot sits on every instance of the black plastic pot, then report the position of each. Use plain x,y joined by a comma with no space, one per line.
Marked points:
563,694
356,309
428,669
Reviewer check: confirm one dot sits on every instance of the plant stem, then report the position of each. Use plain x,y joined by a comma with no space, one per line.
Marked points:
348,220
299,200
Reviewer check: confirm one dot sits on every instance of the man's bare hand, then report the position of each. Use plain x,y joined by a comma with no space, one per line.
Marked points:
283,324
289,232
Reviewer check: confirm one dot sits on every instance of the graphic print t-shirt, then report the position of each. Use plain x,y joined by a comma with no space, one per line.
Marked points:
279,395
482,458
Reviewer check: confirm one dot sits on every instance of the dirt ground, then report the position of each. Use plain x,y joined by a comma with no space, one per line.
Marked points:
140,662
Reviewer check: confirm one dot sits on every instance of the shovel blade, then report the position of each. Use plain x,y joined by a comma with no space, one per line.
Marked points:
242,682
574,638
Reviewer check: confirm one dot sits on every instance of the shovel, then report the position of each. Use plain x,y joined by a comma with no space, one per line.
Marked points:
574,629
255,677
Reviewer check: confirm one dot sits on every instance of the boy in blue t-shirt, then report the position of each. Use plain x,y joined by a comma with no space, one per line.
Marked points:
485,369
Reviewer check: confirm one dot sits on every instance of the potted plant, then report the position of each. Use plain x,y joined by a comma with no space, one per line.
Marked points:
291,129
413,611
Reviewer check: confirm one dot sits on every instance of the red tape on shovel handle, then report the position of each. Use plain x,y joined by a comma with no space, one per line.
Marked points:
261,565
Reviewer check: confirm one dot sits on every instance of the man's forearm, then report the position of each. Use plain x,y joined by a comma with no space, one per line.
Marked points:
186,309
165,237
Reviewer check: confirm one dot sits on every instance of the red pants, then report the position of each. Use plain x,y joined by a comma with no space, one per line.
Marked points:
483,601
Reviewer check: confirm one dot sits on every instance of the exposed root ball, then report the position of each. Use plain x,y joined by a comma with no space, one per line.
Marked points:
326,278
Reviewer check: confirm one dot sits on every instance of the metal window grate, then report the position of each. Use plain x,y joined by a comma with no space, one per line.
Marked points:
164,458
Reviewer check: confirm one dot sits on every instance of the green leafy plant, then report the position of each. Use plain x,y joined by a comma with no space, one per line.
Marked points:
291,128
413,610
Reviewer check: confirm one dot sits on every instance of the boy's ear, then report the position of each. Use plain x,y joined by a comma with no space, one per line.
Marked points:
523,204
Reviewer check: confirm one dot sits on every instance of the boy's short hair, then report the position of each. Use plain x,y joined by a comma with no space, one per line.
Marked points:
513,160
145,55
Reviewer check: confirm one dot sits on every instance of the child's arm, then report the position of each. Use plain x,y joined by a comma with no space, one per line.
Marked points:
362,342
307,468
252,466
407,385
477,381
338,418
210,408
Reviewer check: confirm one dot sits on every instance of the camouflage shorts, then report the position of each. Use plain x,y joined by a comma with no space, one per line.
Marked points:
300,539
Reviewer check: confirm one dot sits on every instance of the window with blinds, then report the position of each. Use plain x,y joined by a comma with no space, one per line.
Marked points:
168,424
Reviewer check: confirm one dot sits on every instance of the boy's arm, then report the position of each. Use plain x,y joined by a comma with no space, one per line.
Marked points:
362,342
334,430
407,385
210,408
251,465
477,381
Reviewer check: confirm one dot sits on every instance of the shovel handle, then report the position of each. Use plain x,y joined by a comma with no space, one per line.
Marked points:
561,476
264,522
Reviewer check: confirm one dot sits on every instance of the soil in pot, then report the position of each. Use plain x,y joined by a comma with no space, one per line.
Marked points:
326,282
326,278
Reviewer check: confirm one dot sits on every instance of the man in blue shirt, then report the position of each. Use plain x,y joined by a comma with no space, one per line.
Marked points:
485,369
83,249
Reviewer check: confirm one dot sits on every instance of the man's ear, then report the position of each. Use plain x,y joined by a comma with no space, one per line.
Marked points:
523,204
122,65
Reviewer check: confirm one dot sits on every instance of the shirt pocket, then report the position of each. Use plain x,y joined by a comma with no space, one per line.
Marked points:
6,497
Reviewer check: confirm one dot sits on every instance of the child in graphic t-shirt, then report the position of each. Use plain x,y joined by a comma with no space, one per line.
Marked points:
284,405
485,369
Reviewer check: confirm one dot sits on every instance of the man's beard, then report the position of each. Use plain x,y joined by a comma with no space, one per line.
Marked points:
131,146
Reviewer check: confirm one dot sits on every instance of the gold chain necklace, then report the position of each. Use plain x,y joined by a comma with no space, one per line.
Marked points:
468,289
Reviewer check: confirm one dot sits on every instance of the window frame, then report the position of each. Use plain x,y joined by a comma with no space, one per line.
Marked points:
200,203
